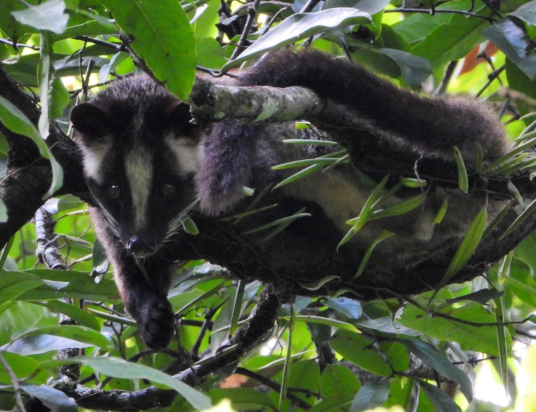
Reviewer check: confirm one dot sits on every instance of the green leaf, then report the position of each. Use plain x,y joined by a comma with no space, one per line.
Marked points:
52,398
468,246
463,180
511,38
436,360
414,69
46,16
520,219
397,355
78,285
20,365
338,381
339,324
189,226
470,337
243,398
14,284
440,399
450,41
384,235
16,121
348,307
302,173
371,395
329,404
73,332
442,211
527,13
163,38
356,348
288,358
502,335
400,208
3,212
301,26
80,316
119,368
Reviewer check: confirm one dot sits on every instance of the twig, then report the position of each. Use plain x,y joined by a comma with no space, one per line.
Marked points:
115,46
274,386
14,381
435,10
491,78
17,45
252,13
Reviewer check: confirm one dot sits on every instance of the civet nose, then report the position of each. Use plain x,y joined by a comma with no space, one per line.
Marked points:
140,247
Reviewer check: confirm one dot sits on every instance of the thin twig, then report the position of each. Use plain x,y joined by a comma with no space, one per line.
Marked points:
431,12
252,13
17,45
272,385
115,46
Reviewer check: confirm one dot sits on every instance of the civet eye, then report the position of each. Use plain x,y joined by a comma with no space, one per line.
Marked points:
168,190
114,192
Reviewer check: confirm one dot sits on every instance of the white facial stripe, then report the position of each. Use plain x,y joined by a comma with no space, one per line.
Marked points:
188,153
139,170
93,159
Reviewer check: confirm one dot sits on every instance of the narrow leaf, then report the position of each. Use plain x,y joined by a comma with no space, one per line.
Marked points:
463,180
436,360
468,245
384,235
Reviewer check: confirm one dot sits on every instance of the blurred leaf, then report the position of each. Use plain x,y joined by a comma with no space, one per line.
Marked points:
348,307
440,399
16,121
436,360
527,13
463,180
243,398
357,349
470,337
414,69
46,16
396,354
120,368
338,381
80,316
34,345
162,37
468,246
337,403
78,285
73,332
511,38
301,26
14,284
371,395
327,321
52,398
450,41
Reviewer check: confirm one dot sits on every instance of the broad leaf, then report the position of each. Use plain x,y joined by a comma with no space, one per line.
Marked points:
300,26
52,398
162,37
436,360
46,16
371,395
